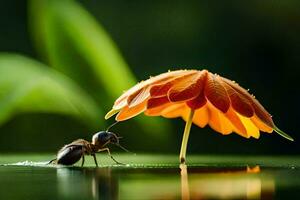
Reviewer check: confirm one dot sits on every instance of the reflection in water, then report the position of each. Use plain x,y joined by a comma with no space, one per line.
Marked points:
233,184
185,190
81,183
164,183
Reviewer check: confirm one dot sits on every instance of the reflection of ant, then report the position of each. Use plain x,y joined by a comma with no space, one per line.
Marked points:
71,153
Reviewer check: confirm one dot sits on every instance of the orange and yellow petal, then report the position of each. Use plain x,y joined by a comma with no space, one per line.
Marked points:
238,102
217,101
259,110
260,125
218,121
252,130
239,127
197,102
127,113
216,93
161,89
187,89
174,110
201,116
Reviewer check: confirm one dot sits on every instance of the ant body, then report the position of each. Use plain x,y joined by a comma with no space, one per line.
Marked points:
71,153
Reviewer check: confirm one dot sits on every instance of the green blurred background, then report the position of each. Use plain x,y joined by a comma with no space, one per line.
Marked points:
64,62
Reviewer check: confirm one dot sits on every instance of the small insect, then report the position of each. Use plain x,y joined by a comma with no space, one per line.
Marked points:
71,153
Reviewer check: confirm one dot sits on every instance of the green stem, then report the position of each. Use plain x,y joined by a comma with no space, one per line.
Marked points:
186,136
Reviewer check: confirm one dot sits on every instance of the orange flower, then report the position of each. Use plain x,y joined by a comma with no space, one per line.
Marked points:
199,97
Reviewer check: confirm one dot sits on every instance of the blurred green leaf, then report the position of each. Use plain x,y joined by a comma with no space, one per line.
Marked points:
29,86
74,43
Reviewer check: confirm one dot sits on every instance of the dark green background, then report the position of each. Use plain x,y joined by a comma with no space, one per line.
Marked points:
256,43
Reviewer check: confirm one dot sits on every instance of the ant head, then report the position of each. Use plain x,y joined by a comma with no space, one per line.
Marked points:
104,137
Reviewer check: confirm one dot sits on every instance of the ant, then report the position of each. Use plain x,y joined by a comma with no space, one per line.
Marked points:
71,153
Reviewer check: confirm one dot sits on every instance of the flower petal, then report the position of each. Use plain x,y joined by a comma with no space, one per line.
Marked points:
201,116
162,88
198,102
120,103
157,111
188,88
238,101
262,114
111,113
259,110
127,112
175,110
217,101
237,123
218,121
216,93
252,130
156,102
138,97
259,124
122,100
135,90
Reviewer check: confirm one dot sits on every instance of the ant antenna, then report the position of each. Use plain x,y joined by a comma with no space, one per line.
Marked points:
121,147
111,126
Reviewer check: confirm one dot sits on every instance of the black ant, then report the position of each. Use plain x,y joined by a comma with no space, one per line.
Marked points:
71,153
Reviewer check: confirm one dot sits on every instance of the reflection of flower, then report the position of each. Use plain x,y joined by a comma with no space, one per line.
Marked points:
253,170
234,184
231,186
199,97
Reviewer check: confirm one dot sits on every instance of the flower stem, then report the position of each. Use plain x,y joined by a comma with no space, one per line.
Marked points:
185,192
186,136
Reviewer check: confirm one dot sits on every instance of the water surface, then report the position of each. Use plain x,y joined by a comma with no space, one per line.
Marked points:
151,177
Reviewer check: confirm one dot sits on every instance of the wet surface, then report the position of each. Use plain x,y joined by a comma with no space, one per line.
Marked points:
206,177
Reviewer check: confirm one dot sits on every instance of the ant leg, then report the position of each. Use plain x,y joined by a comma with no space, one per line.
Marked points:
95,159
82,161
108,151
52,161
